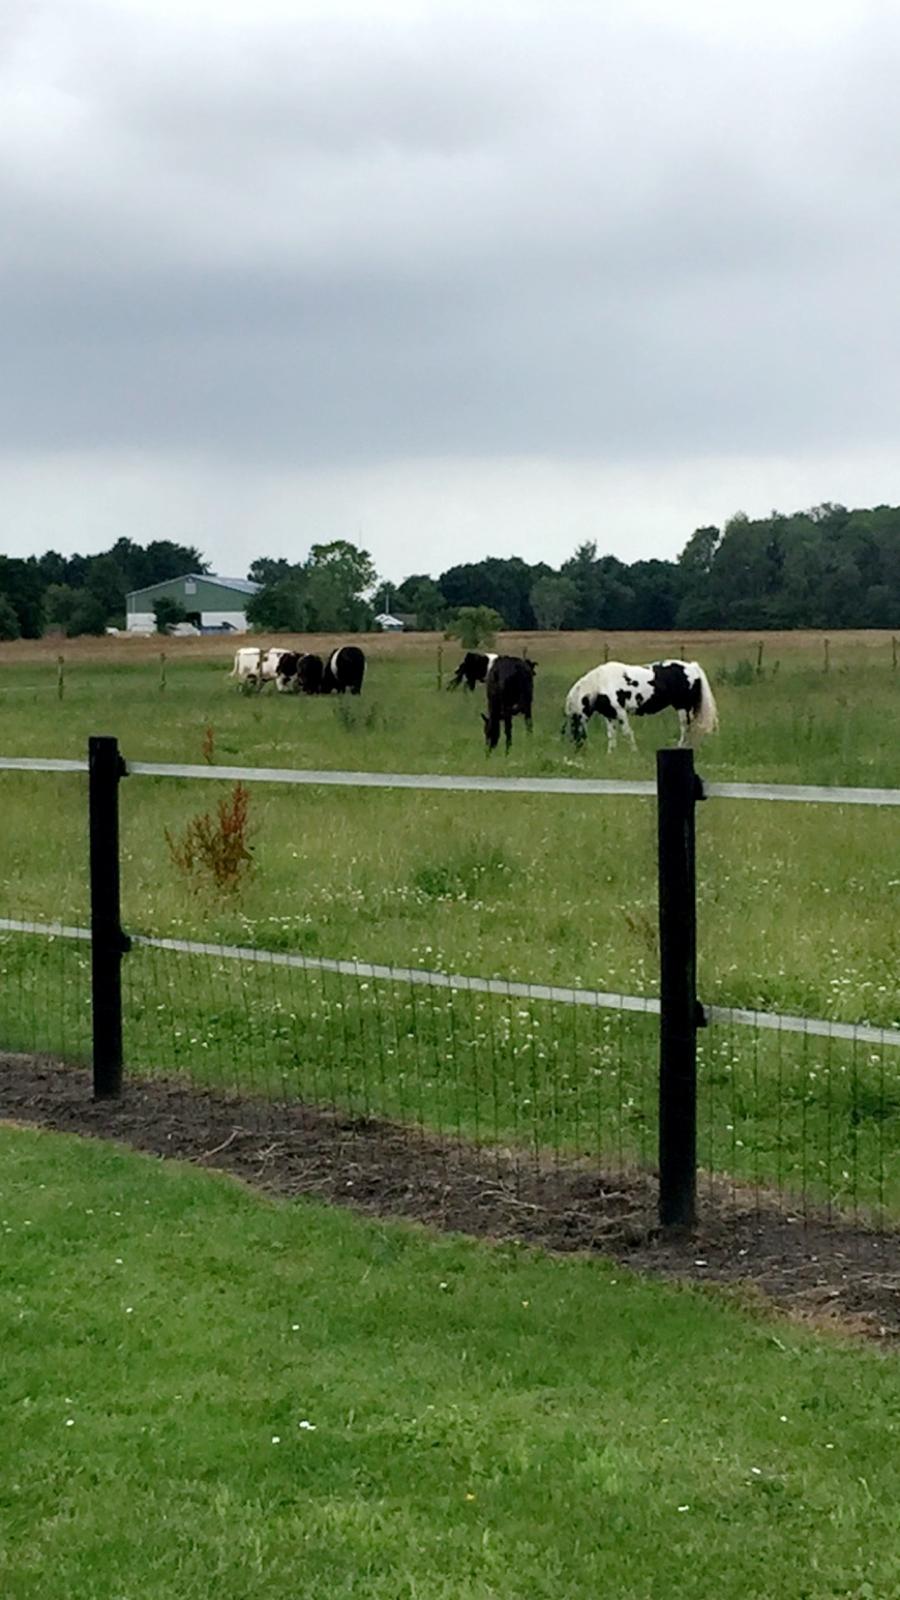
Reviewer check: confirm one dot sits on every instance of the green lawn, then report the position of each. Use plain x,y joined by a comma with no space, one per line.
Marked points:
481,1423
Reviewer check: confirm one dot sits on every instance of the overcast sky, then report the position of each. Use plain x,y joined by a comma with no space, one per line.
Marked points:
445,279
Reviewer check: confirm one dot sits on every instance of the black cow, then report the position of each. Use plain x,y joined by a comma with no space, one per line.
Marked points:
286,667
471,670
344,669
510,691
310,671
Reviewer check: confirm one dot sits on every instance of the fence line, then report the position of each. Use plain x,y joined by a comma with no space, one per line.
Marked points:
816,1027
810,794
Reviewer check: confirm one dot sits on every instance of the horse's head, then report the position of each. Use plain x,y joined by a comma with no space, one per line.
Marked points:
576,727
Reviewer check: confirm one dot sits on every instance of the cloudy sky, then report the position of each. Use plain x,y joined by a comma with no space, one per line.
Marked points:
447,279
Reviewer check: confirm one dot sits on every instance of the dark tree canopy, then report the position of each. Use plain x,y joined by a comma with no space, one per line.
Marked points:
827,567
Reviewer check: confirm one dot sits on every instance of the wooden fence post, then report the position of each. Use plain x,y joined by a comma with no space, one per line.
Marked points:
440,666
678,789
108,942
162,670
60,677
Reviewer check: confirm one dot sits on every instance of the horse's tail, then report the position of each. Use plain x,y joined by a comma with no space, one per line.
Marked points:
706,717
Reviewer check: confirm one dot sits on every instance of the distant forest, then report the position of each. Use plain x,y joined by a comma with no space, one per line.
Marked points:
823,568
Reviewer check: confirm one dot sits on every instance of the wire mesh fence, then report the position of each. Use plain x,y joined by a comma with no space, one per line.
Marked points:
500,1065
801,1109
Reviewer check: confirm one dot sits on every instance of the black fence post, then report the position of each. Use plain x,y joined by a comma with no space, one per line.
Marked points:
108,942
678,789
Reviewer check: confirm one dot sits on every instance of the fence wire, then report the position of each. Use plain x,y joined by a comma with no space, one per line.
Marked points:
805,1109
538,1076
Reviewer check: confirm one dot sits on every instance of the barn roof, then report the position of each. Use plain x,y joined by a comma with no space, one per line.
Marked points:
241,585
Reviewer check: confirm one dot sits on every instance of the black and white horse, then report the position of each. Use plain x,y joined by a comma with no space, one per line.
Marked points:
510,692
473,669
614,690
344,669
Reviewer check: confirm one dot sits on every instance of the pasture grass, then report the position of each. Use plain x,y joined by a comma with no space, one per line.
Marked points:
798,905
483,1423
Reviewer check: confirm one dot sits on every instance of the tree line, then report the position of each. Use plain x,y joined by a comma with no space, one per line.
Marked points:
84,594
822,568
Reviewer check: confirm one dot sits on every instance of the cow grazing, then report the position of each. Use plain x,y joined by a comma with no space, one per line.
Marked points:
280,667
473,669
614,690
247,668
310,671
344,669
254,668
510,691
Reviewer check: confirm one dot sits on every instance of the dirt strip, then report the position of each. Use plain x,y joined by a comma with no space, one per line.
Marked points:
833,1273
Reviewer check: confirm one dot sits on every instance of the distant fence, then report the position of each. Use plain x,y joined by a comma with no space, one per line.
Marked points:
556,1070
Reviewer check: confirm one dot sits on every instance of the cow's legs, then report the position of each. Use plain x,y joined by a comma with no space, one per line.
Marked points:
684,723
507,725
611,733
629,734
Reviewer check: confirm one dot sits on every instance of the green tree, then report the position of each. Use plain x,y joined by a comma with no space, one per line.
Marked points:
420,595
697,557
553,600
502,583
89,616
325,594
352,568
268,570
9,622
60,603
22,584
108,585
167,612
278,607
475,626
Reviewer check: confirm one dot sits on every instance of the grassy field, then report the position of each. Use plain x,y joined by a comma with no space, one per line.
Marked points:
798,905
205,1392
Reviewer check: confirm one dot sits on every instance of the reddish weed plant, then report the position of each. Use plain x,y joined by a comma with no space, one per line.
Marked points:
214,849
209,744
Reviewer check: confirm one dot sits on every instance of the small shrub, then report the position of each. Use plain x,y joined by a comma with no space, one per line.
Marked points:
209,745
475,627
214,848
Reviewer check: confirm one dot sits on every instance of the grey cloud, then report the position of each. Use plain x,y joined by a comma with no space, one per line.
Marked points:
324,243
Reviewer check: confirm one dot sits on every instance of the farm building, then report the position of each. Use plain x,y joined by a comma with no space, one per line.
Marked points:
208,602
388,623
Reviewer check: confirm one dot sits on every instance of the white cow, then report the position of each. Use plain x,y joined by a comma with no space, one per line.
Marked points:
247,668
253,668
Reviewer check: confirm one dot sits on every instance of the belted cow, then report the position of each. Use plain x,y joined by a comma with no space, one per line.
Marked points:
344,669
473,669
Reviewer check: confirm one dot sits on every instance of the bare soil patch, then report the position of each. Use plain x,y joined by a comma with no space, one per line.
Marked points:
833,1273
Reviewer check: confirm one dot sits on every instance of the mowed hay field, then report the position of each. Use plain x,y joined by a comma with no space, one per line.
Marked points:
798,904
